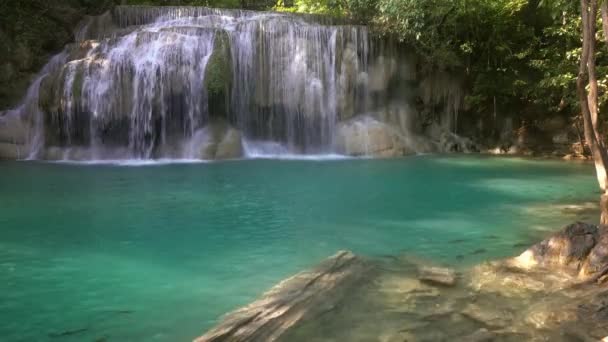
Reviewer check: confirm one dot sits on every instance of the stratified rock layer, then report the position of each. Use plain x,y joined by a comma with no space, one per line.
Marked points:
292,301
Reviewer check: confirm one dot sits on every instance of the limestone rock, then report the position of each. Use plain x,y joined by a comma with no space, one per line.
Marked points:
9,151
437,275
579,248
481,335
13,129
290,302
369,137
217,140
53,153
349,66
507,282
487,315
597,260
450,142
230,146
544,315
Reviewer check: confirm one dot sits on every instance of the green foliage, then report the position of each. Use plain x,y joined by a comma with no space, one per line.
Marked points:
518,56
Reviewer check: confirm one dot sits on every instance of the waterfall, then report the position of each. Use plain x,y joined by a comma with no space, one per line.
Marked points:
147,79
28,112
199,83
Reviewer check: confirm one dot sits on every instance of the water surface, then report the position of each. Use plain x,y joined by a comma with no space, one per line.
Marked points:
159,252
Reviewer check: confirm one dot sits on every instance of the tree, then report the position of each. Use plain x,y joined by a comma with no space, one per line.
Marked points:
587,79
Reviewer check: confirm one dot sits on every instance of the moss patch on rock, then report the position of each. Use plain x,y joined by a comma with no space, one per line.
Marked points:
218,75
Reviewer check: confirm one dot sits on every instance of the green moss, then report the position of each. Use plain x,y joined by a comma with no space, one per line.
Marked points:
218,73
78,83
218,76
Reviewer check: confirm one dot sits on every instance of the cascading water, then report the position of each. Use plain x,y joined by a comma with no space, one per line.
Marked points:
28,115
145,86
200,83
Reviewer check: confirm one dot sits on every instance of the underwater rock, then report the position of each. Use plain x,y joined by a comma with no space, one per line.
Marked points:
495,277
292,301
437,275
481,335
488,315
544,315
365,136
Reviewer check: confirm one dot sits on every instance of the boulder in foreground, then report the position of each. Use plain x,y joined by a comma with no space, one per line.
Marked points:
579,249
292,301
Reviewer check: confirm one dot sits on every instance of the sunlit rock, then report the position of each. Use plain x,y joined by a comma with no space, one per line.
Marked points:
437,275
545,315
579,249
291,302
366,136
402,293
488,315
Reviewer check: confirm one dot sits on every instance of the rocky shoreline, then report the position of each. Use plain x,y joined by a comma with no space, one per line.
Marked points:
557,290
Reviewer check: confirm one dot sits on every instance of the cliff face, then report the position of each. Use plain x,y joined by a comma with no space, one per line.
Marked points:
30,33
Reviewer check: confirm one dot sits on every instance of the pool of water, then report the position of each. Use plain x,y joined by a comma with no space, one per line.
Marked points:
160,252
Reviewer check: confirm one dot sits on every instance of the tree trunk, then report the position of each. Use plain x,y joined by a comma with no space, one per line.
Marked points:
605,20
588,101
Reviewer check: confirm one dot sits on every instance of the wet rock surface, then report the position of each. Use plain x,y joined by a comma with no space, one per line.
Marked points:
292,301
366,136
556,298
579,249
217,140
437,275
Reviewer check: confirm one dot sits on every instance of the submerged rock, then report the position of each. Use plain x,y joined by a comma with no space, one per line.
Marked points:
488,315
398,299
544,315
437,275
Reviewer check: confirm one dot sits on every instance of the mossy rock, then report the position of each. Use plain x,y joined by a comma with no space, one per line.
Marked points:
49,96
218,75
78,83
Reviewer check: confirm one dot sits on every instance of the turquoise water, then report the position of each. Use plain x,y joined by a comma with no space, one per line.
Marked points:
116,253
